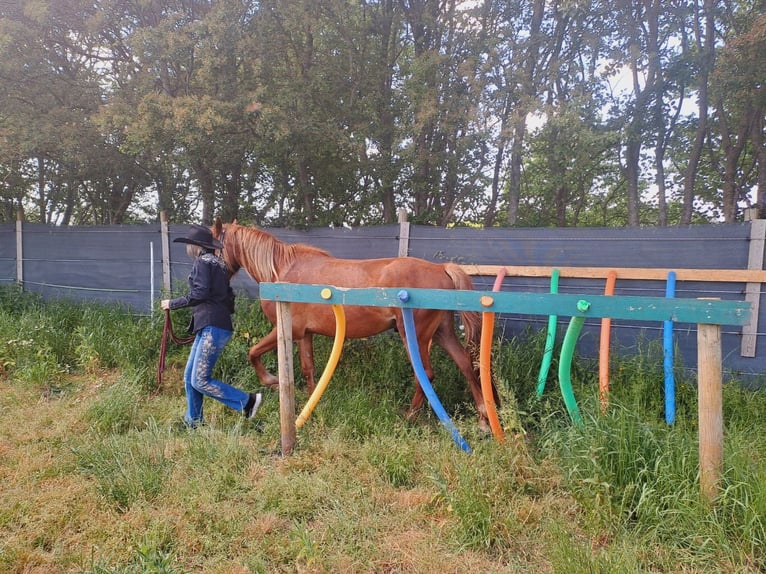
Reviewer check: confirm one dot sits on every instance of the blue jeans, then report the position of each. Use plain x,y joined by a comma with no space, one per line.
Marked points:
198,375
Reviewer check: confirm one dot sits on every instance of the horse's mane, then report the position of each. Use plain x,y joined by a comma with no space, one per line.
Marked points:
262,255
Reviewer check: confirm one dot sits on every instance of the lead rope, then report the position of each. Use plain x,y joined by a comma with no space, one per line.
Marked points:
168,333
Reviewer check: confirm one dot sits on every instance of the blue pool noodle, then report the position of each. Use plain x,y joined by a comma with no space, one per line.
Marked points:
420,373
667,346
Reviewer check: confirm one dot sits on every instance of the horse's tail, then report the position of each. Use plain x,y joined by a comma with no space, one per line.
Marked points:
471,319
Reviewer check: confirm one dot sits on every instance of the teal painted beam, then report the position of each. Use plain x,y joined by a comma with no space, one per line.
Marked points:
707,311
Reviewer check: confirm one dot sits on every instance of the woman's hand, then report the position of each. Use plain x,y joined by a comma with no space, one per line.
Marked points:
165,304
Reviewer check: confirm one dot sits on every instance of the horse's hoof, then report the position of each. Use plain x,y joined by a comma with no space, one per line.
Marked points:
484,426
411,416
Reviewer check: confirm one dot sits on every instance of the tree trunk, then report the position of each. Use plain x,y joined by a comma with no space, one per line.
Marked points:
529,94
388,56
502,142
514,184
207,192
707,41
121,197
490,215
306,191
232,190
631,171
759,147
732,148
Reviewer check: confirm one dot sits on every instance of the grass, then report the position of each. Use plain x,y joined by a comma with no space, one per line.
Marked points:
98,477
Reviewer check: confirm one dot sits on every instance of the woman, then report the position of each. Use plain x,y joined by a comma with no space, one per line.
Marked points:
212,301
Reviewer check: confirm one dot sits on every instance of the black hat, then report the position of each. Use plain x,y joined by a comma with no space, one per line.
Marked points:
202,236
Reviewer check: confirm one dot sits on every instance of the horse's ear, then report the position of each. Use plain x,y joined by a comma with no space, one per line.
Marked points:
217,227
235,221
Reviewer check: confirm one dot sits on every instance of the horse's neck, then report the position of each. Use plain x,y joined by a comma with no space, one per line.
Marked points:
265,258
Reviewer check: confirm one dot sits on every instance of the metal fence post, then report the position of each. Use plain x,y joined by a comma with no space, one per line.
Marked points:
165,241
19,248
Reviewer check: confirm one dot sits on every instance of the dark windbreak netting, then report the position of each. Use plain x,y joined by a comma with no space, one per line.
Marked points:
124,264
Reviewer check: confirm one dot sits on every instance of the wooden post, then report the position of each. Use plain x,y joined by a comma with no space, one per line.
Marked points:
404,233
19,248
710,408
286,381
752,289
165,241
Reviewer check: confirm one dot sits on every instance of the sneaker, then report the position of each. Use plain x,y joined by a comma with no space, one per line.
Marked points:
254,402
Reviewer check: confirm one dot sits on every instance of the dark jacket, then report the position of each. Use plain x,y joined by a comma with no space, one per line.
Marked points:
210,294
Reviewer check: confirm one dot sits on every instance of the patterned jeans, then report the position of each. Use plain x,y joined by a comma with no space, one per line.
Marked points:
198,375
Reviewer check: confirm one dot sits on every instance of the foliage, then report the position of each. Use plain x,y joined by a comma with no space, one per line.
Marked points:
330,112
43,341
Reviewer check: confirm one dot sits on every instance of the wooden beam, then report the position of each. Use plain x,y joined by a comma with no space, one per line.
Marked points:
682,310
704,275
404,233
165,242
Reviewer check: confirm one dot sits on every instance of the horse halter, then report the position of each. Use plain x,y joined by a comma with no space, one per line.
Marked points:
222,239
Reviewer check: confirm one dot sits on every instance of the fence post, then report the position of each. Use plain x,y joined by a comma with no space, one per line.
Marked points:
710,408
753,290
404,233
19,248
286,379
165,241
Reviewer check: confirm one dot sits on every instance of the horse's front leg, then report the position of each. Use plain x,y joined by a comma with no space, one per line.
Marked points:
306,351
416,405
268,343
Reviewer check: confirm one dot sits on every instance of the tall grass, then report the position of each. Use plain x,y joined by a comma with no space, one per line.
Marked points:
101,463
632,472
42,342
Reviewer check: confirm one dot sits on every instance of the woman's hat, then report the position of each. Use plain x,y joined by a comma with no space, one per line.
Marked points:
202,236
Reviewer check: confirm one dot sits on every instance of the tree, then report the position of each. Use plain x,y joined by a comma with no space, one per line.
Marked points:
739,88
331,112
703,55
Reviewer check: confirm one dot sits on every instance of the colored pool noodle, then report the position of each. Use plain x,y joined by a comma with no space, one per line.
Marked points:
550,340
420,373
667,346
565,363
603,350
329,369
485,361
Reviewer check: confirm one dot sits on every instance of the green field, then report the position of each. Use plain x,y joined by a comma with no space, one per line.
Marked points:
98,476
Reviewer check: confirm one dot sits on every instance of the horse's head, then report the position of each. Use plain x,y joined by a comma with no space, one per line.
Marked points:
221,231
259,253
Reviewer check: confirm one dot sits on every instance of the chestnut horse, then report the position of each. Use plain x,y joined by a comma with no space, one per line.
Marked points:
267,259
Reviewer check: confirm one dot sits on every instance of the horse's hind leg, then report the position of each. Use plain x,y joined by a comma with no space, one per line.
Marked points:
268,343
306,351
445,337
424,347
